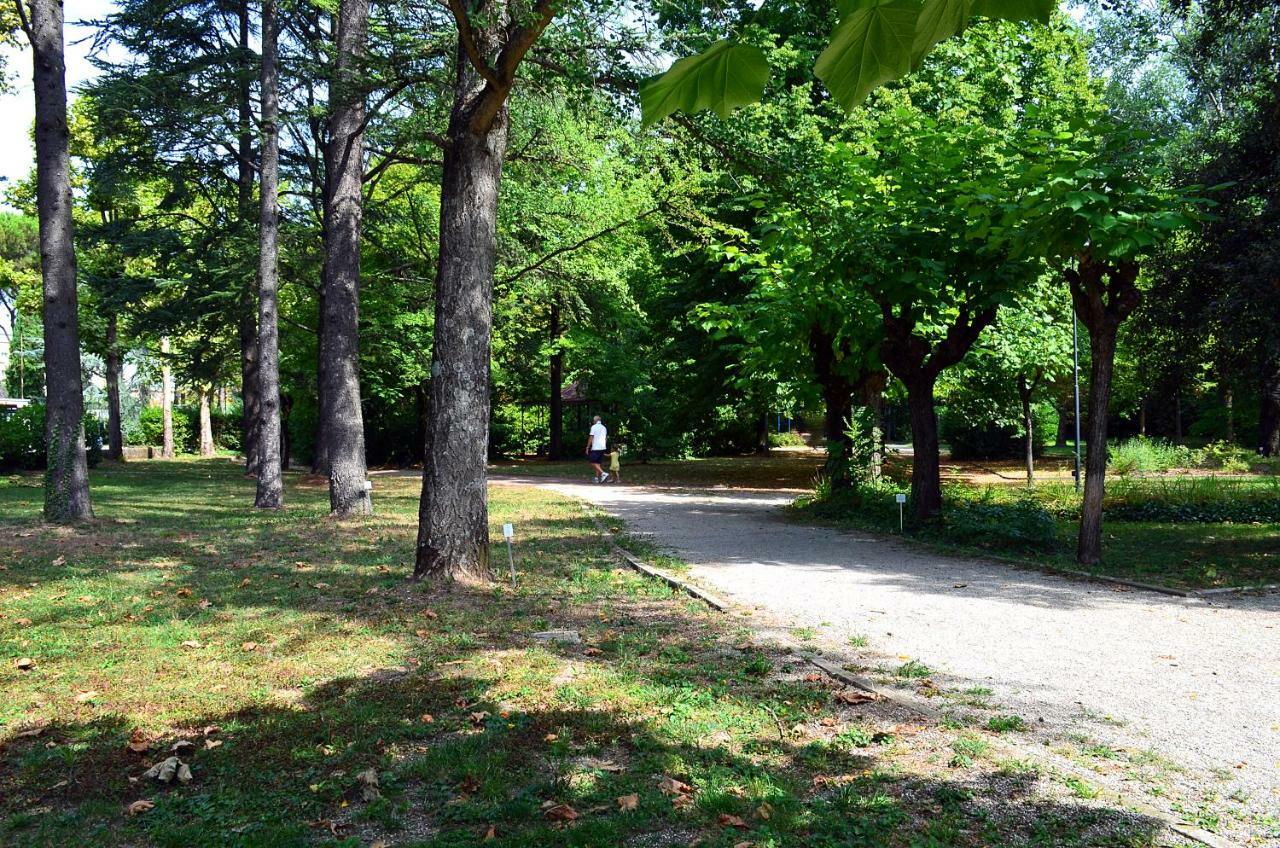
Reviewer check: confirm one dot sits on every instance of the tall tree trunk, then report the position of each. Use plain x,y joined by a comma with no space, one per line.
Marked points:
270,493
1142,417
762,432
453,525
555,398
66,482
343,418
286,440
320,455
115,434
167,448
1228,403
875,402
1269,419
1028,424
1103,295
1177,417
926,465
206,420
837,403
1102,347
251,411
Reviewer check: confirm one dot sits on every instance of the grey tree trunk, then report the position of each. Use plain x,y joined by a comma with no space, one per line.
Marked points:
1269,417
270,494
453,516
167,448
555,422
340,396
926,465
66,482
453,525
1103,295
251,411
206,420
1028,428
115,434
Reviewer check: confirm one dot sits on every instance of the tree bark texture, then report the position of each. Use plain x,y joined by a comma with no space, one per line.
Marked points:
837,402
270,492
1269,419
340,409
251,409
1025,390
66,484
206,420
555,418
1104,295
320,454
917,363
115,433
167,448
453,517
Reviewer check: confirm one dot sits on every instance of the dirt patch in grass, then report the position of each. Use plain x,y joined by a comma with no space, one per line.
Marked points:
329,701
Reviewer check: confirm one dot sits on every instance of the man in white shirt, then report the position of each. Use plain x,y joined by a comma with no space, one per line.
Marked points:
597,443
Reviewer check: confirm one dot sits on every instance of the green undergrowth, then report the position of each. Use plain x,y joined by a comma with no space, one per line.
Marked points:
330,701
1187,533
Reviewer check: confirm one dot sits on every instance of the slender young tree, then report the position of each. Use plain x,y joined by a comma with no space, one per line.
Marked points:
270,494
66,487
340,395
115,434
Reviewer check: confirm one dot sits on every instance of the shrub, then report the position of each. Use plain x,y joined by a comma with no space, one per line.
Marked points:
151,424
1195,500
789,439
1143,455
1223,455
975,438
1023,524
22,444
22,438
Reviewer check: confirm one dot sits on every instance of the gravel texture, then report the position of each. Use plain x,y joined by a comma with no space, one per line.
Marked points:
1194,680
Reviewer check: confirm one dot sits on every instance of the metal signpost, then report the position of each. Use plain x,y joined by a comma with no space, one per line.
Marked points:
509,533
1075,359
901,499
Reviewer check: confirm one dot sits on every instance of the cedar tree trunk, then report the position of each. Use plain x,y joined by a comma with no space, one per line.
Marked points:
251,409
270,494
343,419
115,434
206,420
66,482
167,449
837,403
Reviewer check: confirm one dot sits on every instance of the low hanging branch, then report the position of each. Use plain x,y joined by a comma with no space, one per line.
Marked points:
568,248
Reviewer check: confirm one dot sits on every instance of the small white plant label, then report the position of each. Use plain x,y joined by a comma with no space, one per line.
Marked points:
508,531
900,498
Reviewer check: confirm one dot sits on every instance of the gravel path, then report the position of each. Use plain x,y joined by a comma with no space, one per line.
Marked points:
1193,680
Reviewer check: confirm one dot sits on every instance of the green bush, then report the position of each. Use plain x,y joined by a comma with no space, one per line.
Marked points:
1188,500
151,425
1142,455
789,439
22,444
22,438
974,438
1022,525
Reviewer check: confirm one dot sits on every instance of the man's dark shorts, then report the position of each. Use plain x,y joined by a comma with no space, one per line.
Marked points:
597,456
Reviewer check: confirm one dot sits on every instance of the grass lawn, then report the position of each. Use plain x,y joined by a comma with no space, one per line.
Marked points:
326,700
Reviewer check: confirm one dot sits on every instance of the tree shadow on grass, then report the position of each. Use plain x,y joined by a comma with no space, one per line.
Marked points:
289,776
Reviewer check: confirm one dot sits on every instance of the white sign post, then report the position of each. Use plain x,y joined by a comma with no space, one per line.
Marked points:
509,533
901,499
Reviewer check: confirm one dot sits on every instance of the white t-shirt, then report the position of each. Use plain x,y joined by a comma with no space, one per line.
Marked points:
599,436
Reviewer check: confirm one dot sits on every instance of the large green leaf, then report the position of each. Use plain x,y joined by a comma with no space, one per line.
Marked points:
1015,10
938,21
869,47
726,75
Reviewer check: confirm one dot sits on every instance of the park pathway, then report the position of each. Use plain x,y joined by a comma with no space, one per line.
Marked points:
1196,681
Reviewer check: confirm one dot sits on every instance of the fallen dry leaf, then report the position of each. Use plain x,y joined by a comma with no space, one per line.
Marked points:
671,786
479,718
85,697
138,741
560,812
60,561
764,811
30,732
550,737
245,582
249,646
593,652
140,807
427,613
627,803
184,592
427,718
320,585
379,843
681,802
24,663
421,634
205,603
469,785
726,820
490,834
368,780
855,696
210,744
23,622
183,747
192,643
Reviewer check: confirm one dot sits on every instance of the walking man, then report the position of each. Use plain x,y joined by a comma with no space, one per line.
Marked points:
597,443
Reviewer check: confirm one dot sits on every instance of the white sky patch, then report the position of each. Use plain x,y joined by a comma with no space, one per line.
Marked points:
17,108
